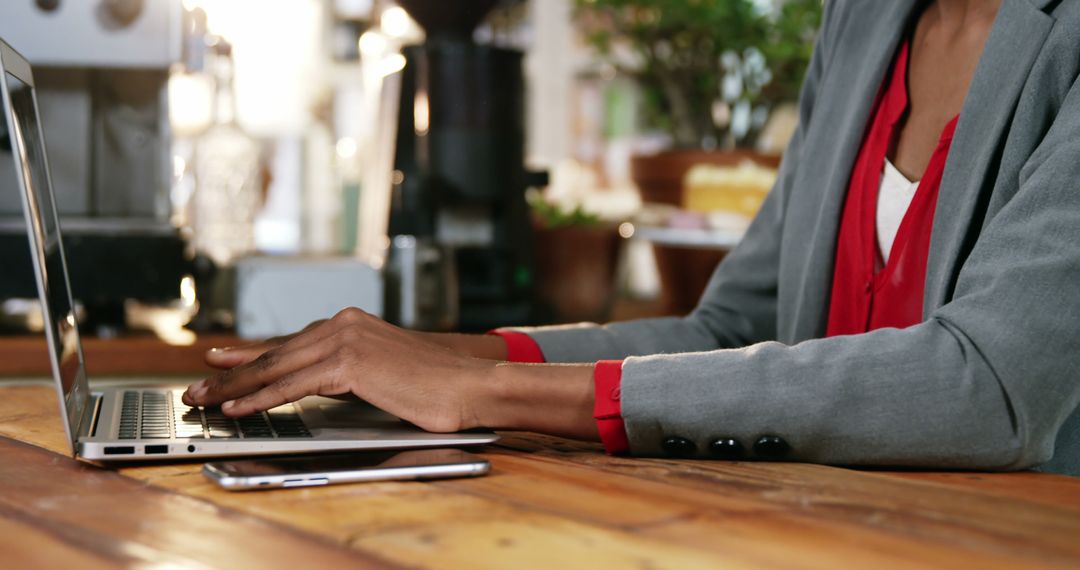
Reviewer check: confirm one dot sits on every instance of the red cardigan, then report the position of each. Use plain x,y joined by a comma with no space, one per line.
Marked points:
867,293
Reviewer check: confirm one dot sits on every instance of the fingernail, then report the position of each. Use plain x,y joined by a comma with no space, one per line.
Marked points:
228,405
220,350
198,389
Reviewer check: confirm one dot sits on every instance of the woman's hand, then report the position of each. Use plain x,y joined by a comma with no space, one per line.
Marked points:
479,346
396,370
230,357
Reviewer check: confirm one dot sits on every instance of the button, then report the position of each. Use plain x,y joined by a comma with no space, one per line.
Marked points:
868,287
726,448
48,5
771,447
676,446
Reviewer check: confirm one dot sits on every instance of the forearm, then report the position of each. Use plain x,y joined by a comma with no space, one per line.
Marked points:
555,399
921,396
487,347
588,343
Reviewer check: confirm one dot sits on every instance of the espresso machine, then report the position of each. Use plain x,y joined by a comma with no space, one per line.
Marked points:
460,187
102,70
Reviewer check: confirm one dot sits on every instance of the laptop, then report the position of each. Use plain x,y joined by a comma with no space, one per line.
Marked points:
147,423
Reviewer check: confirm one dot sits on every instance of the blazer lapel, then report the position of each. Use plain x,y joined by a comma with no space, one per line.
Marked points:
1015,40
860,71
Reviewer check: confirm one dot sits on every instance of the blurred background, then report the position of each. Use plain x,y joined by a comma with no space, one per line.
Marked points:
241,167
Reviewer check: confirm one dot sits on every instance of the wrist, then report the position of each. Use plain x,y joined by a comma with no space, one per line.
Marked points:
479,399
552,399
478,346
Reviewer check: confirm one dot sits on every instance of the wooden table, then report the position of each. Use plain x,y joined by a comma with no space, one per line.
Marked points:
548,503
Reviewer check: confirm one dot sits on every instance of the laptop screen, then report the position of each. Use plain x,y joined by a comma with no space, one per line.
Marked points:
23,144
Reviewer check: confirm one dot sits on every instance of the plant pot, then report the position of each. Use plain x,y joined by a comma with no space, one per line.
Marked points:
684,271
659,177
575,269
684,274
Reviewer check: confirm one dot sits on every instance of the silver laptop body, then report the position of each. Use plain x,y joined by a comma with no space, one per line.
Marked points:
127,424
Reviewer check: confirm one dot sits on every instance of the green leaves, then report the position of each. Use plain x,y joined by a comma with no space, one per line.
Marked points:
679,45
553,216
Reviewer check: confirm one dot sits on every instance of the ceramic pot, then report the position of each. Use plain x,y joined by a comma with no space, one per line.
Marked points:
684,271
575,270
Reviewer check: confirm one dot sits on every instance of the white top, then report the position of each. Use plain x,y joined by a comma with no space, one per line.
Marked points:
894,197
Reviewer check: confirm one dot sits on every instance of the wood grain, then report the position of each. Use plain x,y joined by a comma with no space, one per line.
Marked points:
1029,486
80,512
554,503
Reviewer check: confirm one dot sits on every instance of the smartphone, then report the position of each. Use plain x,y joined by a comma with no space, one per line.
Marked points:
315,470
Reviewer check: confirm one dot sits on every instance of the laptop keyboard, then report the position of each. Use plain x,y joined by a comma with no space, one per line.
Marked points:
163,415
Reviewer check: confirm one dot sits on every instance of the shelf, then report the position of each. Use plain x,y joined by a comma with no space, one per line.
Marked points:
690,238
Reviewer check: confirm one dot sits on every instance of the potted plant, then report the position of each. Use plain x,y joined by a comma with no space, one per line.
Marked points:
576,247
709,71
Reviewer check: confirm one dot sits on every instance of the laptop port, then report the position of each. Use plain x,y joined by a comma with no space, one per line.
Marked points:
156,449
119,450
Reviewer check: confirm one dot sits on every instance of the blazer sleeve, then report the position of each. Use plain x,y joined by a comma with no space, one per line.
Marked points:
739,305
985,383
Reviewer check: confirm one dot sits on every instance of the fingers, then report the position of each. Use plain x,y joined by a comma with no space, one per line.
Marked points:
308,381
264,370
300,350
304,350
229,357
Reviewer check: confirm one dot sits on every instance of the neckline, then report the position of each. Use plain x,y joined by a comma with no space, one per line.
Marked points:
891,171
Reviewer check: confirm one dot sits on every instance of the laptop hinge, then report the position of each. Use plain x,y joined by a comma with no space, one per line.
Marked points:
95,411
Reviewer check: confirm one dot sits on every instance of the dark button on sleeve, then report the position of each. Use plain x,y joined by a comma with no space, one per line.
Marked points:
676,446
771,447
726,448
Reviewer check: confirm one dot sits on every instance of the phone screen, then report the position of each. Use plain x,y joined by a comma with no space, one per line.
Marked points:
301,465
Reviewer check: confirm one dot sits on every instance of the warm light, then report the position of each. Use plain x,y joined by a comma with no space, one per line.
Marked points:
28,309
372,44
421,113
354,9
378,259
190,103
187,291
626,230
271,75
346,148
179,165
395,22
392,64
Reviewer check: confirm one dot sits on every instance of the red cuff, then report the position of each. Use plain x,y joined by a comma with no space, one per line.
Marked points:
520,347
607,377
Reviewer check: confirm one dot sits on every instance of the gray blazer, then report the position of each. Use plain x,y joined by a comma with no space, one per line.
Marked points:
993,373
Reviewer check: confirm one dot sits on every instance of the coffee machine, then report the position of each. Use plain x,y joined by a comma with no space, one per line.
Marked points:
102,70
461,179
